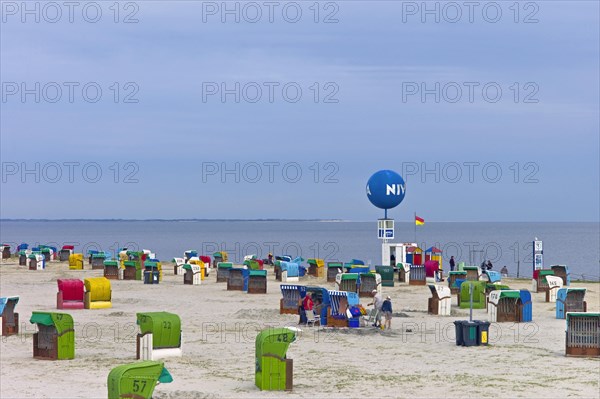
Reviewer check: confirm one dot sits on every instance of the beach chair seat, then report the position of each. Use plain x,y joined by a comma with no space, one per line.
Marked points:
112,271
582,334
237,279
274,370
257,282
5,251
137,380
554,284
192,274
440,302
70,294
55,339
313,319
37,261
368,283
98,293
570,300
178,266
403,272
76,262
347,282
223,271
159,337
9,320
417,275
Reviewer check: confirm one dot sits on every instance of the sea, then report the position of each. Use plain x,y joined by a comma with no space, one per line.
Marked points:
509,244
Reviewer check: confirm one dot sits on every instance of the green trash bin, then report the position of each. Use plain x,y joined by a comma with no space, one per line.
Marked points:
469,333
273,370
136,380
458,332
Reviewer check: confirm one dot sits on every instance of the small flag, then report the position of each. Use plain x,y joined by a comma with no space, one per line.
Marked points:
419,221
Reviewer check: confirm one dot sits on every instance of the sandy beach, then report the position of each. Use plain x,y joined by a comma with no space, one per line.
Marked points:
416,358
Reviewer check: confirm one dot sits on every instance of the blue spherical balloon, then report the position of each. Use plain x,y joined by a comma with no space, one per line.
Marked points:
386,189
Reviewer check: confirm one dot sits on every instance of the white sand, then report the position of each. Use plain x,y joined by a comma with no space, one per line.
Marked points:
219,327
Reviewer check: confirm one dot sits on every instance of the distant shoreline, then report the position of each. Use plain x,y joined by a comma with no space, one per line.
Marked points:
267,220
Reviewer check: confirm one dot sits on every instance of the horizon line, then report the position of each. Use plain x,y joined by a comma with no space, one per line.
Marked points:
266,220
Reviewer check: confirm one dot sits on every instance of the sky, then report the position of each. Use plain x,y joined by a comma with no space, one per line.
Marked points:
190,109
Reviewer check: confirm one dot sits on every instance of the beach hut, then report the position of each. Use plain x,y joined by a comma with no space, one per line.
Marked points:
98,293
539,283
417,275
478,288
554,284
220,256
435,254
192,274
340,302
9,320
136,380
70,294
5,251
159,336
347,282
47,252
368,283
178,266
223,271
387,275
316,268
440,301
151,272
563,272
414,256
257,282
65,252
76,262
453,278
333,269
582,334
291,297
403,272
274,370
526,306
237,279
55,339
36,261
473,272
570,300
111,269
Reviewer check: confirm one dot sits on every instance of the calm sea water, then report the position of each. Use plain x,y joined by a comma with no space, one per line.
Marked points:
574,244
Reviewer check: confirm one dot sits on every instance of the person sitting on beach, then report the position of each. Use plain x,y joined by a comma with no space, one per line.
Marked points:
386,308
376,312
489,265
306,306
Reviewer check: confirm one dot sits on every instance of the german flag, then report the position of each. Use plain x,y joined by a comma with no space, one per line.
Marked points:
419,221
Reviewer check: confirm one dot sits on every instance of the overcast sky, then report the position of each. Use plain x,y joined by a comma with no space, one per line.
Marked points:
490,111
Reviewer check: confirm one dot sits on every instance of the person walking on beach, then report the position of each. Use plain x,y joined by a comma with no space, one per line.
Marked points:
376,312
392,260
386,308
504,271
452,264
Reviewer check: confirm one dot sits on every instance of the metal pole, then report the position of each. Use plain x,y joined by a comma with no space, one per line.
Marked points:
471,301
518,267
